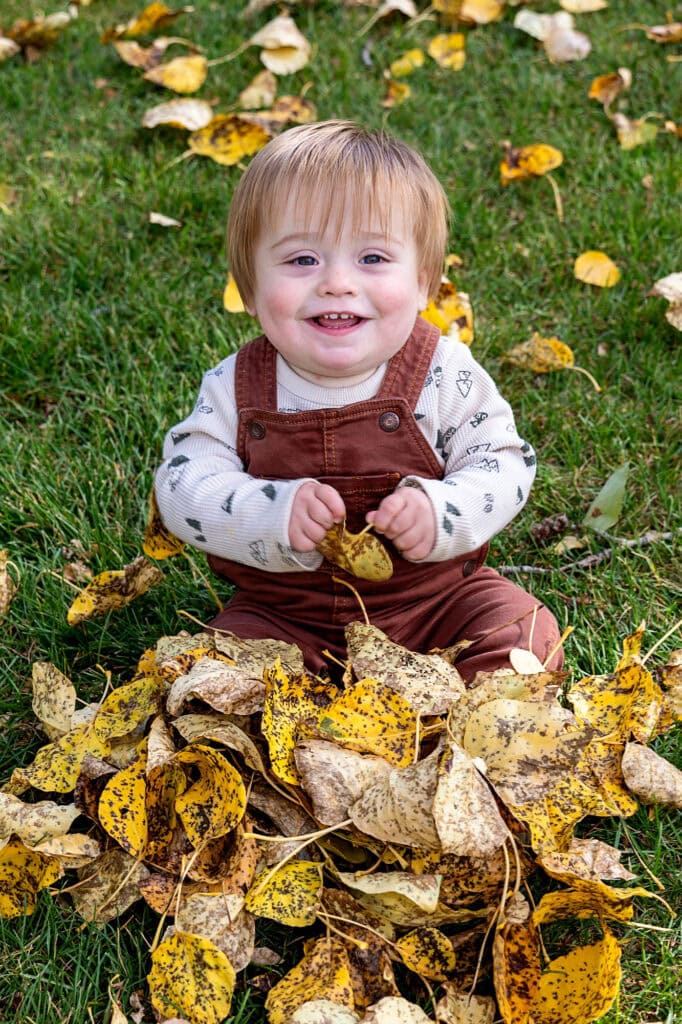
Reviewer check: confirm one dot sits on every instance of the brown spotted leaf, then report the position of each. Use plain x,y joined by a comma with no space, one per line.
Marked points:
23,873
289,894
361,554
215,802
109,886
54,699
334,778
651,778
290,701
158,542
427,952
191,976
467,820
8,586
221,918
581,986
371,718
228,138
323,973
397,807
32,823
113,589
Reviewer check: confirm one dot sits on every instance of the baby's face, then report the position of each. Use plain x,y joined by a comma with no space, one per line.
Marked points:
337,303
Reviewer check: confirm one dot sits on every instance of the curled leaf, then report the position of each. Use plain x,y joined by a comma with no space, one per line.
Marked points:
361,554
113,589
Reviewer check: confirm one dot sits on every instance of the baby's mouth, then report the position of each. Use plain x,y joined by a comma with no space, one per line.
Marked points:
337,321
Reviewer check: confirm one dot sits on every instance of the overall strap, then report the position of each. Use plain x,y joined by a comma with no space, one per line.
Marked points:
255,375
407,370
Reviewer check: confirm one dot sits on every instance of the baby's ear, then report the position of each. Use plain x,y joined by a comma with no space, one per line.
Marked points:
423,297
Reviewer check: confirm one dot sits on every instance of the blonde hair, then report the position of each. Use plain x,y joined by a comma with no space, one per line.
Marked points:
345,163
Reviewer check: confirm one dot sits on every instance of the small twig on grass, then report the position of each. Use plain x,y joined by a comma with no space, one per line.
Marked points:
557,198
591,561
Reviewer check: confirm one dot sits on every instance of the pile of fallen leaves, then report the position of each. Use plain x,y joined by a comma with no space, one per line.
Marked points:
399,812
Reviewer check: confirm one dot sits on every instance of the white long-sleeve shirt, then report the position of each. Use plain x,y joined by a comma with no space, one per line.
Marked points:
208,500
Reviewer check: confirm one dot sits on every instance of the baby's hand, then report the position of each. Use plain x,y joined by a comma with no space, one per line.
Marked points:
316,507
406,517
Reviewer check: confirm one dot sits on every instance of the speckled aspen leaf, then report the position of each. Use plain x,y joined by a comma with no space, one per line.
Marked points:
23,873
604,511
221,918
109,886
408,63
633,132
589,898
456,1007
580,987
650,777
55,767
289,701
427,952
232,300
449,50
371,718
227,139
361,554
395,1010
451,312
144,57
529,162
153,18
541,355
182,74
158,542
224,686
289,894
516,969
606,88
396,93
221,729
596,268
334,778
586,858
670,288
285,48
397,806
400,896
467,820
54,698
429,683
128,706
527,746
215,803
72,851
192,977
113,589
323,1011
122,807
323,973
31,823
8,586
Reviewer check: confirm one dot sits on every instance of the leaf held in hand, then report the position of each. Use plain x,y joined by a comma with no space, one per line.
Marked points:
361,554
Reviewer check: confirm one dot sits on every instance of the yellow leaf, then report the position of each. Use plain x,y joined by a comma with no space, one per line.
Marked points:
529,162
23,873
516,969
396,93
541,355
289,701
589,898
396,805
323,973
451,313
182,74
633,132
219,917
54,698
448,50
626,703
32,823
579,987
155,16
227,139
39,32
215,803
122,807
583,6
55,767
408,63
427,952
606,88
289,894
596,268
670,33
189,114
476,12
361,554
286,50
8,587
192,977
399,896
113,589
158,542
128,706
371,718
232,300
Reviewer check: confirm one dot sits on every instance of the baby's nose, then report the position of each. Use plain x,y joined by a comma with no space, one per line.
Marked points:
337,280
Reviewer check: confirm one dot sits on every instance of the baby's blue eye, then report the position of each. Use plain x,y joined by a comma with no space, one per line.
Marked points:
304,261
372,258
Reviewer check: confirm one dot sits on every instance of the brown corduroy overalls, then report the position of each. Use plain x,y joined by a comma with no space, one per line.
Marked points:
424,605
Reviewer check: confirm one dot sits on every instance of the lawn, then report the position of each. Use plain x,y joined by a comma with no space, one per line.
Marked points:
107,322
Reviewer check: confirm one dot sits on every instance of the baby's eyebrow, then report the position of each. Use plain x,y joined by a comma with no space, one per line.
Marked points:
313,236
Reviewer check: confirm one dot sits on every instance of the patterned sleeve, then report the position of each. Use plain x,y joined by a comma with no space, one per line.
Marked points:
488,469
207,499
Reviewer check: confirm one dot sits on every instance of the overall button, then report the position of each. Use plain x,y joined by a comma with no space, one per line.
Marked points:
256,430
389,421
469,567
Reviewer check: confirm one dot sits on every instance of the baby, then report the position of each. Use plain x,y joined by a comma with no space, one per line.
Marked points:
351,407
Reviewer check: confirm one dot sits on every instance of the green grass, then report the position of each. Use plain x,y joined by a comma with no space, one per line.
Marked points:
106,323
